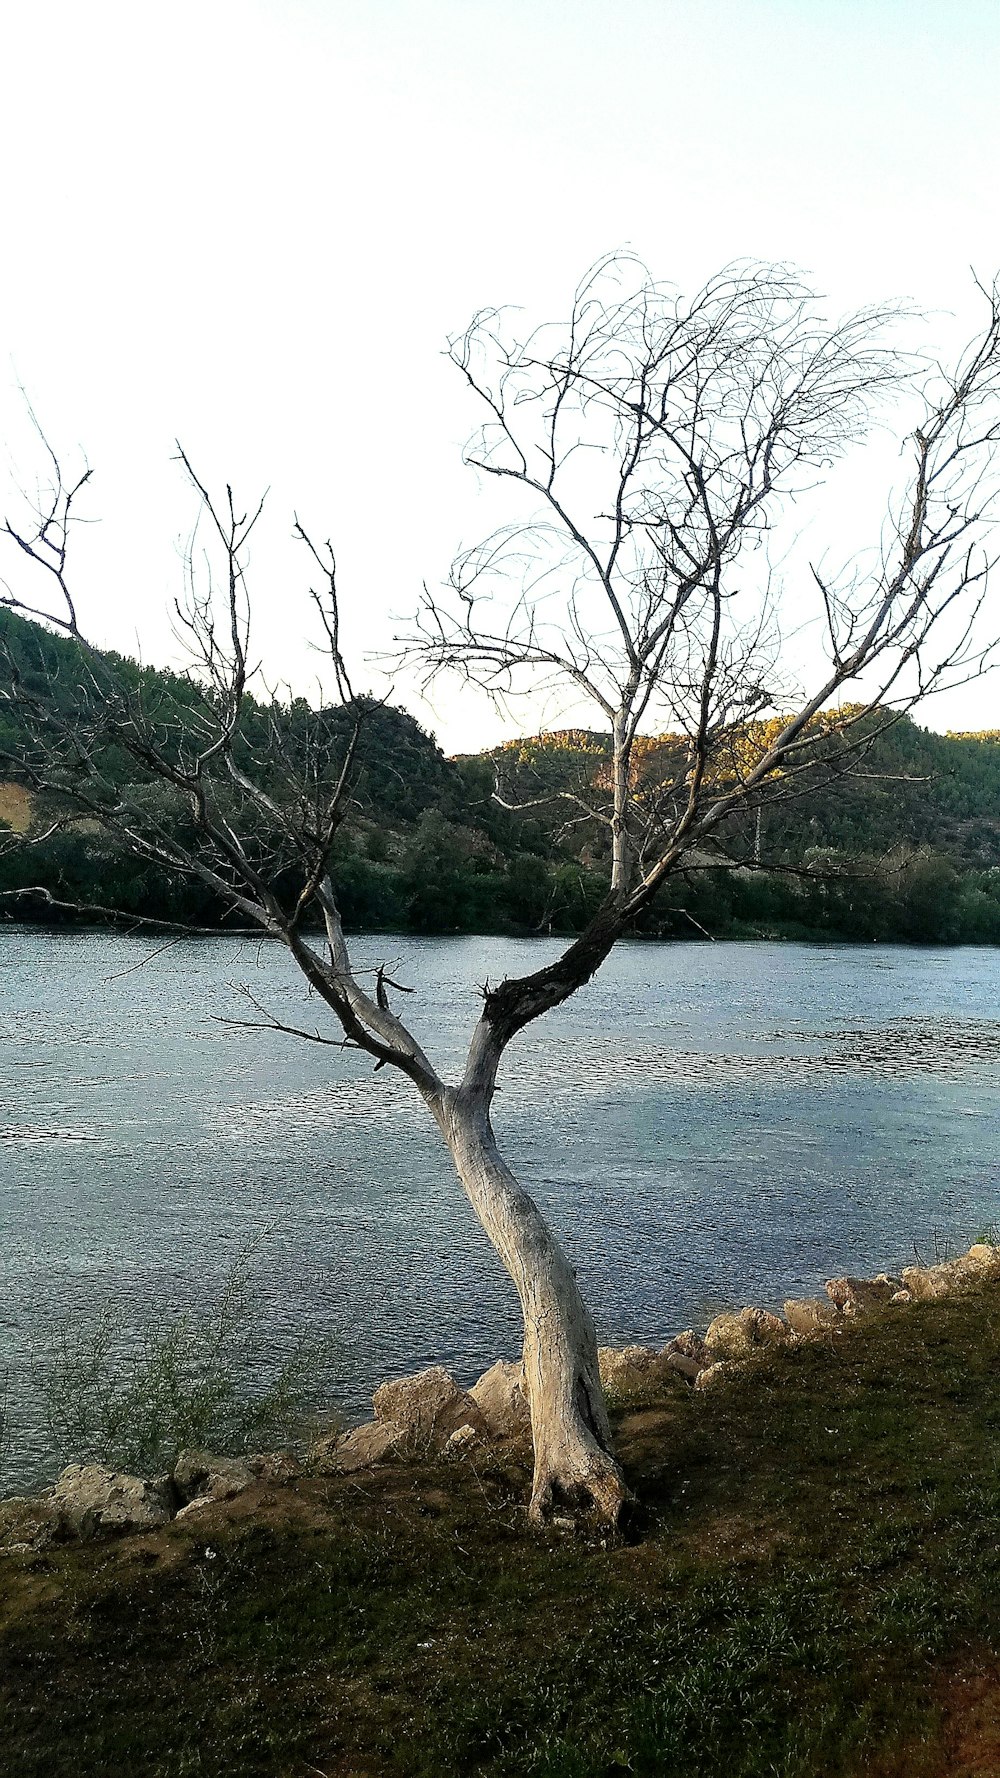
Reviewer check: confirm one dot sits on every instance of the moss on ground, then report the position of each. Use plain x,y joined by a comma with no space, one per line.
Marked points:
809,1584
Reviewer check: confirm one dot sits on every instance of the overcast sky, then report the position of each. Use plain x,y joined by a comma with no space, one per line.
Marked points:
252,223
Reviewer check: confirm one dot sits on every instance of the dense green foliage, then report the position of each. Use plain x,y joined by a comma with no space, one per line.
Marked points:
808,1588
906,848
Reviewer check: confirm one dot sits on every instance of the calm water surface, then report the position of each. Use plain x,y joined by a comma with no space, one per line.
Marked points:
705,1124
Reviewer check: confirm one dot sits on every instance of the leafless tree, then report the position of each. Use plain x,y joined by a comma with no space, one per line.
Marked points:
653,446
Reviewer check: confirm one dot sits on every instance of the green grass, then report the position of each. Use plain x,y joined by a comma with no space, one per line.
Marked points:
812,1566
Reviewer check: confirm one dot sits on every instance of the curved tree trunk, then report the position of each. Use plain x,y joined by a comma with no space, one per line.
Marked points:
575,1465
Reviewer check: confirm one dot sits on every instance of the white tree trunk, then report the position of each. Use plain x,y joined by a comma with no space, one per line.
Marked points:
574,1462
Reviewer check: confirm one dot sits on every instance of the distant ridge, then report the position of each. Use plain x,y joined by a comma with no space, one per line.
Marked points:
908,849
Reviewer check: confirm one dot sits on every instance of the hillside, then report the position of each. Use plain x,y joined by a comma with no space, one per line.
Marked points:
908,847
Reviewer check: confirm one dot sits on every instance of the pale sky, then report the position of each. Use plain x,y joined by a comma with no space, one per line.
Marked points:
251,225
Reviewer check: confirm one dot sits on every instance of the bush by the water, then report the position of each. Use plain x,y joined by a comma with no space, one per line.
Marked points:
185,1377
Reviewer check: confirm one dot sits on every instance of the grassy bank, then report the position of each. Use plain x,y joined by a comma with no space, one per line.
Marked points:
810,1584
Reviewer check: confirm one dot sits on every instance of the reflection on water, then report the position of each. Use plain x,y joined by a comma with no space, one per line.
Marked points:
704,1124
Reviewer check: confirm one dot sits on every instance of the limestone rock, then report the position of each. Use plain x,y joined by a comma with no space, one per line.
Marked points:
685,1367
427,1408
277,1468
499,1396
733,1335
725,1337
463,1439
858,1296
688,1345
901,1296
987,1257
628,1368
925,1282
811,1315
90,1499
371,1443
195,1506
723,1371
200,1473
949,1278
27,1524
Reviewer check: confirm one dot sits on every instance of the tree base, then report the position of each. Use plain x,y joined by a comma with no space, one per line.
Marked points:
592,1491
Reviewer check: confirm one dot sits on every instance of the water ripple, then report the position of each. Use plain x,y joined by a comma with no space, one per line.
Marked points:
703,1125
20,1133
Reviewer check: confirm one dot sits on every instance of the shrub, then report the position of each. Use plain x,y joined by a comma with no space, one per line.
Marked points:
185,1377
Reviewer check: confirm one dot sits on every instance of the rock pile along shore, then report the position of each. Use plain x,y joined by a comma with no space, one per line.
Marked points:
431,1415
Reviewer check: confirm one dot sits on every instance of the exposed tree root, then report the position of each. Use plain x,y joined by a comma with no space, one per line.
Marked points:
594,1494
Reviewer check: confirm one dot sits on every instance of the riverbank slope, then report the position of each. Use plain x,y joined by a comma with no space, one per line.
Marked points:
808,1585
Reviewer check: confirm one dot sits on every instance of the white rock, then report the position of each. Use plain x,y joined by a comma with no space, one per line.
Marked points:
811,1315
427,1407
714,1374
372,1443
949,1278
197,1473
685,1367
737,1334
499,1395
986,1256
197,1505
90,1499
462,1439
627,1369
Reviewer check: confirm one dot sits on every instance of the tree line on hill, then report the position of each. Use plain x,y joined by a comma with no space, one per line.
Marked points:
905,848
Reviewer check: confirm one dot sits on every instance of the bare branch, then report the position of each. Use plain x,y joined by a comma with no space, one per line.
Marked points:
662,442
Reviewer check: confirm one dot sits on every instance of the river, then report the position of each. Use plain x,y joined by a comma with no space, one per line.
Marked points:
705,1125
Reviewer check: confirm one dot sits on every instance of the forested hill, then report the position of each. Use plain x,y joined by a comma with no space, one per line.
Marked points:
907,848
